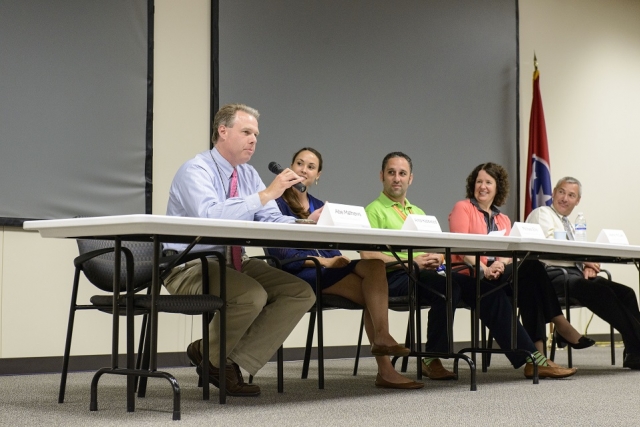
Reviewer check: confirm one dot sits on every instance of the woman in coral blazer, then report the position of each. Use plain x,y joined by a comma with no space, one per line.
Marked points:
487,189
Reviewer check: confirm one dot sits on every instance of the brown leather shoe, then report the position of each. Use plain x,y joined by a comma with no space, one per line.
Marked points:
436,371
411,385
394,350
194,352
549,371
233,380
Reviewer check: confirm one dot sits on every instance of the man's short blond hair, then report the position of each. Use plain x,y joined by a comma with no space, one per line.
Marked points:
226,116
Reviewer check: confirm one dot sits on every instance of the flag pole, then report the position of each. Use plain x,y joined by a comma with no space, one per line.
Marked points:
538,178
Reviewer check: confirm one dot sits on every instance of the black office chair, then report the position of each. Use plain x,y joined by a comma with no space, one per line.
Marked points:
323,302
96,261
568,302
401,304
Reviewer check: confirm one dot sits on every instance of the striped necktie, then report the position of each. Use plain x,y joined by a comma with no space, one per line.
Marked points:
567,227
570,236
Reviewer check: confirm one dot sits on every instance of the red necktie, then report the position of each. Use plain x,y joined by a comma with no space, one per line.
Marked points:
236,251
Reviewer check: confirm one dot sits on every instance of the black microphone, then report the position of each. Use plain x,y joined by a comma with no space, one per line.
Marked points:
277,169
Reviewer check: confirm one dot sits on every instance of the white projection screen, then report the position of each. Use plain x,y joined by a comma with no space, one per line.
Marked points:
74,101
357,79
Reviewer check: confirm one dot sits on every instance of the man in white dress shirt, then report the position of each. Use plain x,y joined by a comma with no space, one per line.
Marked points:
613,302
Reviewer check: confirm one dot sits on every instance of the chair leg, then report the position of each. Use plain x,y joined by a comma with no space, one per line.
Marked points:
474,332
418,337
489,346
67,344
65,359
484,345
280,363
146,357
204,378
407,343
552,354
280,370
355,364
568,315
143,329
613,347
320,351
307,351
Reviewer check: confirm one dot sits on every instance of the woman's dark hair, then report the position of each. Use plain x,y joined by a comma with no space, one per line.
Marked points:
498,173
289,196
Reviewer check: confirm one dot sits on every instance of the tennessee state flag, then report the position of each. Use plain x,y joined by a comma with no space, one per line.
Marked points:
538,167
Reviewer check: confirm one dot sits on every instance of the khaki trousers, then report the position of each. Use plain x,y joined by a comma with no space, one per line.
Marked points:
264,304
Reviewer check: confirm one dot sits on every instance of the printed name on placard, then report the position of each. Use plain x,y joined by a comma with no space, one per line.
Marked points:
337,215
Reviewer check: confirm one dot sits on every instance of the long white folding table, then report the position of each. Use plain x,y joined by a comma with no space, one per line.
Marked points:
522,248
164,229
159,228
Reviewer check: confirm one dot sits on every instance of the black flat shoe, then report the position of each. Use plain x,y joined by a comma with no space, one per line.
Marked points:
583,342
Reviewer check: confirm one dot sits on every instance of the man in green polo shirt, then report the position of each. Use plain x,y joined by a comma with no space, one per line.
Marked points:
389,211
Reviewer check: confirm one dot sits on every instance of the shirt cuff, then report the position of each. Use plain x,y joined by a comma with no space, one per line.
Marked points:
253,202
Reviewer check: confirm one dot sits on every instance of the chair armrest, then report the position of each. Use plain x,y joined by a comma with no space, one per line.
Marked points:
81,259
607,272
281,262
414,277
167,264
128,256
309,258
565,282
402,263
461,266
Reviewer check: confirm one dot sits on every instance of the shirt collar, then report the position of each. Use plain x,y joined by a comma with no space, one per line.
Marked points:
220,162
557,213
387,202
494,209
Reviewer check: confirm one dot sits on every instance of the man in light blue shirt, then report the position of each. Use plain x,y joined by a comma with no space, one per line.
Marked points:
264,304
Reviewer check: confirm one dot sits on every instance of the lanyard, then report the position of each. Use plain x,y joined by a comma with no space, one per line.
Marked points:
226,192
402,214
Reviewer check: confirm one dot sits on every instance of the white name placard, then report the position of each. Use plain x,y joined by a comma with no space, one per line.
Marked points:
417,222
337,215
616,237
525,229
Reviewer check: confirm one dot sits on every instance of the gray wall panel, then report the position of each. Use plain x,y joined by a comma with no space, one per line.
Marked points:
73,85
358,79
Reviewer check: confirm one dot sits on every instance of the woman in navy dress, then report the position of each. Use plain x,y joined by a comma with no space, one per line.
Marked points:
361,281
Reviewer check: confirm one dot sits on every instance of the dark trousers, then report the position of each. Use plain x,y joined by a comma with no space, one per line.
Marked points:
537,298
613,302
495,310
